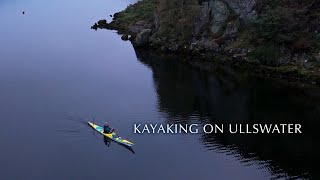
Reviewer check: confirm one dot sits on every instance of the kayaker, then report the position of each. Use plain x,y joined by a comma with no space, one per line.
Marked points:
107,129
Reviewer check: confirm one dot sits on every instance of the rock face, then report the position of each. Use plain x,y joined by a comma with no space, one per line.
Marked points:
142,37
220,10
138,27
219,15
232,28
203,19
245,9
222,26
256,31
215,19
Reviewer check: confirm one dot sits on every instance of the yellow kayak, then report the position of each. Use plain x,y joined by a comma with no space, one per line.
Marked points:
113,136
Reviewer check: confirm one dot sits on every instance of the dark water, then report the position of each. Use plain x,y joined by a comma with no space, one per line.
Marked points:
54,71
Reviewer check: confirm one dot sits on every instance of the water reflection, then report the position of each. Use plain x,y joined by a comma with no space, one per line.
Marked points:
191,94
108,141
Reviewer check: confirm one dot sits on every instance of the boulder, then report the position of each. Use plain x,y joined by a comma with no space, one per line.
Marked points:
95,26
143,37
125,37
139,26
131,38
102,22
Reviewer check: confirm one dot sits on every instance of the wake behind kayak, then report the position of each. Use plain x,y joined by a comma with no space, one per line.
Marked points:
113,136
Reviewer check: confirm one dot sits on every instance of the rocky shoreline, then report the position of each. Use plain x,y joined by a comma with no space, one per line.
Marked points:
217,32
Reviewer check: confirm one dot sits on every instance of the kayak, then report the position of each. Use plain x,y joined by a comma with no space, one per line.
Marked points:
113,136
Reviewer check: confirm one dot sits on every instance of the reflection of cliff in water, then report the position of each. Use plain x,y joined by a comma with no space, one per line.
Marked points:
224,97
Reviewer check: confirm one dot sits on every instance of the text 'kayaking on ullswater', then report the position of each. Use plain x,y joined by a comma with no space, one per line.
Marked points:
217,128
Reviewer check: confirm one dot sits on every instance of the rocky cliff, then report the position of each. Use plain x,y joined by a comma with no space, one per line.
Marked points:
273,33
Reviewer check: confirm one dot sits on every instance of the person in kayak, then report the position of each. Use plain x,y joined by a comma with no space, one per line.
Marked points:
107,129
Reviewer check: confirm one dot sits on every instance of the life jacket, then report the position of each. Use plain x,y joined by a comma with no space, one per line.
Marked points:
106,129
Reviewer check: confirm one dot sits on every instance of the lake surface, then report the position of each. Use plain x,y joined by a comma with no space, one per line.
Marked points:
55,72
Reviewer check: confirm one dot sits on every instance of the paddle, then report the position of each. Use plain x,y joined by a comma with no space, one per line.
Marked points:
93,118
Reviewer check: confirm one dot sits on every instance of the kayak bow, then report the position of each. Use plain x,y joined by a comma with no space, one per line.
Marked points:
113,136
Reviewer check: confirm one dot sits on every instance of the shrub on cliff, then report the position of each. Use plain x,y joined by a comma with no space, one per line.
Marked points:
284,23
267,54
177,18
142,10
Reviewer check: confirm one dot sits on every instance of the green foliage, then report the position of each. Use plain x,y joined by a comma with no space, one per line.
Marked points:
281,24
177,18
142,10
267,54
284,23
